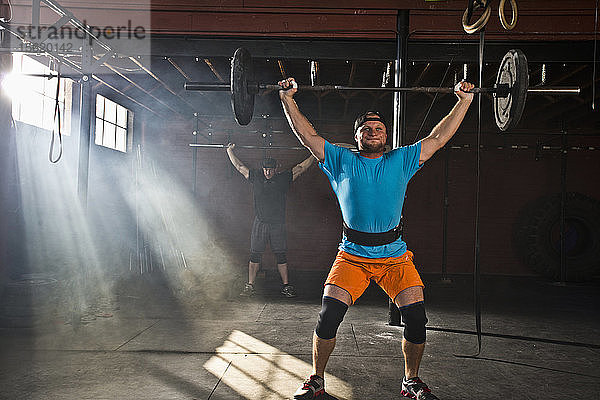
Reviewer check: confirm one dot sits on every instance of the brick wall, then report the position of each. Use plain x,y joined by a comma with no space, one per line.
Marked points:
510,178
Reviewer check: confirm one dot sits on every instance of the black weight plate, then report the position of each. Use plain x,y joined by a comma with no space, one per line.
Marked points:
242,100
513,71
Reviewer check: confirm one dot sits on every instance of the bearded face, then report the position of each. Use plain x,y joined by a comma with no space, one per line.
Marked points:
371,137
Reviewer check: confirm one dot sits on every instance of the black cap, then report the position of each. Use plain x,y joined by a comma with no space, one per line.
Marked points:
269,163
369,116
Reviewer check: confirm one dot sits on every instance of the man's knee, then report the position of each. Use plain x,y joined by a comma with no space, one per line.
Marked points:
281,258
331,316
255,257
415,320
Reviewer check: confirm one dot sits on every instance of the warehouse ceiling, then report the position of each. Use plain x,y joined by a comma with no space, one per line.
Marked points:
162,91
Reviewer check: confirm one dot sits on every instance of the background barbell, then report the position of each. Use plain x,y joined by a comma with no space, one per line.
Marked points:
223,146
255,147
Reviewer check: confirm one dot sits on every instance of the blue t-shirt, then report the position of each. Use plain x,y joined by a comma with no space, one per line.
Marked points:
370,192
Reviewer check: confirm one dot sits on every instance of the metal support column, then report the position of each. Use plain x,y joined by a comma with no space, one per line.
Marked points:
86,107
35,15
563,206
195,155
399,134
85,115
446,205
12,256
399,117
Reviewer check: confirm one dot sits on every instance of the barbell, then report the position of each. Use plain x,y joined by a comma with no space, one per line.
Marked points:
509,92
224,146
255,147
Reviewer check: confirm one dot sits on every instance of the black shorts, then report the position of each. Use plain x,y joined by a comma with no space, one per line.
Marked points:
263,233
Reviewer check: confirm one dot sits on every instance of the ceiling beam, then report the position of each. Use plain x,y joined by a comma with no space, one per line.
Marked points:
380,50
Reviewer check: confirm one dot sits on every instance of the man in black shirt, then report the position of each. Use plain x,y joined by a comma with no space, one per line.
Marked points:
269,188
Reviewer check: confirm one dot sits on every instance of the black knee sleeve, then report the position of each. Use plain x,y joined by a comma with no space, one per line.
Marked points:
414,319
331,316
255,257
281,258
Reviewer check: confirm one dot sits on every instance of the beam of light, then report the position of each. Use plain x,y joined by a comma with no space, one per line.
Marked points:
172,235
87,247
140,217
257,370
59,239
137,210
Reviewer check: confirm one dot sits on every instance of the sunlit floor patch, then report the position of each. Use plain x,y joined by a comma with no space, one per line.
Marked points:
256,370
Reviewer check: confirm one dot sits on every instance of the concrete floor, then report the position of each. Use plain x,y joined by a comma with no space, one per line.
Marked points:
147,340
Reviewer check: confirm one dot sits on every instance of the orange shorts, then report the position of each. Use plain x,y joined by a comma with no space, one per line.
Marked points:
393,274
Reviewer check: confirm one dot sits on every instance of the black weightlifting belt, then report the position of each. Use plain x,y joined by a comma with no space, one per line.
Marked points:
372,239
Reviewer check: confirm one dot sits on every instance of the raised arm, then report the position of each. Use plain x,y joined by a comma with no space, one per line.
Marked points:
236,161
302,128
298,169
448,126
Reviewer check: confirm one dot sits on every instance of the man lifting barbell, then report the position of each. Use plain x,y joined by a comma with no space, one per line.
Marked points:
269,188
370,188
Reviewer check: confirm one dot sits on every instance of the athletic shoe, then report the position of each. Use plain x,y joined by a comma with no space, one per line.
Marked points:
248,290
313,387
288,291
414,388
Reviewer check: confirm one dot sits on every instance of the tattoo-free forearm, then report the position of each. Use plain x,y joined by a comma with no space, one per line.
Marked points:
237,163
302,128
448,126
301,167
306,163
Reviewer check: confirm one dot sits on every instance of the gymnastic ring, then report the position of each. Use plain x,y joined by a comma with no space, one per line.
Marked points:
513,21
479,24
